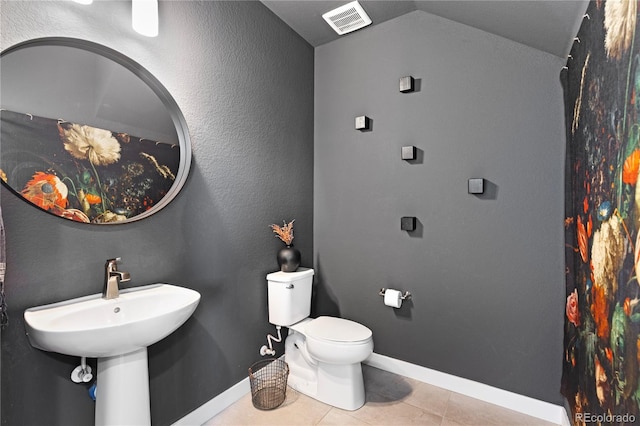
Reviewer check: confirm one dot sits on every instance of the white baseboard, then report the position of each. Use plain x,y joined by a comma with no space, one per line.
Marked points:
513,401
209,409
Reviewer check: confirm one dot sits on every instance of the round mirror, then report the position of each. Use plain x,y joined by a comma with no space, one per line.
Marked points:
87,134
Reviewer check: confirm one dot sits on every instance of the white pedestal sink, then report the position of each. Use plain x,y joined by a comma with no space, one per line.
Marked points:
117,332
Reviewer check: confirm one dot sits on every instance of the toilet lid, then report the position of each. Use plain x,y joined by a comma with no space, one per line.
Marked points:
337,330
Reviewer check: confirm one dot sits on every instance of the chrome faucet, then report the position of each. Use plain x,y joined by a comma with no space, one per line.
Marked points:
113,278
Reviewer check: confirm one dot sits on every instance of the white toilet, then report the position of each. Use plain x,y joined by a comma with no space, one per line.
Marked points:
324,354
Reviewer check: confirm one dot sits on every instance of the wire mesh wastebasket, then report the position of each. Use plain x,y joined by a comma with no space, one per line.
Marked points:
268,380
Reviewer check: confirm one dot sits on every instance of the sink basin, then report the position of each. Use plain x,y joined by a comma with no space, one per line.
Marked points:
93,327
117,332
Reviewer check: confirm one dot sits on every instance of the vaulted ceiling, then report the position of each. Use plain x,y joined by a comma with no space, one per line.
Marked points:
547,25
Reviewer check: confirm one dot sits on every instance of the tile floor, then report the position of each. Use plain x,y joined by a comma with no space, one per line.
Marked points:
391,400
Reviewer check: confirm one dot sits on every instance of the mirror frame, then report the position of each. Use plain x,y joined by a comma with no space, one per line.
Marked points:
154,84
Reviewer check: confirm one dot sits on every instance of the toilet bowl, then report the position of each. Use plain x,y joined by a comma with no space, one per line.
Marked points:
325,361
324,354
338,341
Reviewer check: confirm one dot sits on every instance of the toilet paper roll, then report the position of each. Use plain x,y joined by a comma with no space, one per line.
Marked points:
393,298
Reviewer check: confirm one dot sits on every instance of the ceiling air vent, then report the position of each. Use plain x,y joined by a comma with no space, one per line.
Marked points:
347,18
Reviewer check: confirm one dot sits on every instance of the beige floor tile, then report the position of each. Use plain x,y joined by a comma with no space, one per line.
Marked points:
338,417
391,400
430,398
463,410
387,384
298,409
381,410
535,422
422,395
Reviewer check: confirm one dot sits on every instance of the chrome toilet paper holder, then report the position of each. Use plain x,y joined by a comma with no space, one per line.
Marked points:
406,295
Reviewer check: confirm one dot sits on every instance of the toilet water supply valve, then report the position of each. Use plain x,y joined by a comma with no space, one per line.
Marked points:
82,373
264,350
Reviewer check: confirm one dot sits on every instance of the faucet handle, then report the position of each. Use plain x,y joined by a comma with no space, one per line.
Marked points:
112,264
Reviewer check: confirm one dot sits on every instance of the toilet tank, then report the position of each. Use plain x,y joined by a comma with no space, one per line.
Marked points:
289,296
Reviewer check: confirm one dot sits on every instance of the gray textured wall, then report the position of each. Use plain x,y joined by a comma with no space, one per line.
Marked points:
244,82
486,272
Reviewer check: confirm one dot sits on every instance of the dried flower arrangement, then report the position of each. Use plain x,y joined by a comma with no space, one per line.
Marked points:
284,232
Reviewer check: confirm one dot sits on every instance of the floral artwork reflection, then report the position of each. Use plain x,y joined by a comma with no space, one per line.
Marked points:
601,374
84,173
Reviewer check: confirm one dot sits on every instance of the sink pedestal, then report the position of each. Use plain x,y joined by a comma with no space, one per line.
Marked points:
122,396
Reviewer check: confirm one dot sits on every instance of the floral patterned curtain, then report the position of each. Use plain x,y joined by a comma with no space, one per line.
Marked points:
84,173
3,266
602,319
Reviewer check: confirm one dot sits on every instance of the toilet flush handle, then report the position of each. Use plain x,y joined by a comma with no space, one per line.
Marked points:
289,286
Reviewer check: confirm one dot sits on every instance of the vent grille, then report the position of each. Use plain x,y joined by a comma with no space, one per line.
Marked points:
347,18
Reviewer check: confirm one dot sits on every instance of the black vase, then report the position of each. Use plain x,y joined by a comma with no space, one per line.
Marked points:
289,259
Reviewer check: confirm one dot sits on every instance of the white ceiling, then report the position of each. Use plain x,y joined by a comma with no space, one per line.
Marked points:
547,25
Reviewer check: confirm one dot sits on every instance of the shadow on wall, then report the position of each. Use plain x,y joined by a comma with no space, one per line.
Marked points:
405,311
417,85
418,232
490,191
419,157
323,300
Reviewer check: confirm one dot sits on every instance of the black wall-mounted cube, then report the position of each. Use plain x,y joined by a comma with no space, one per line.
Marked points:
476,186
409,152
363,123
406,84
408,223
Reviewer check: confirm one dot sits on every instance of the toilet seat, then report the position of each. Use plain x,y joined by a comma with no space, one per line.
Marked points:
337,330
